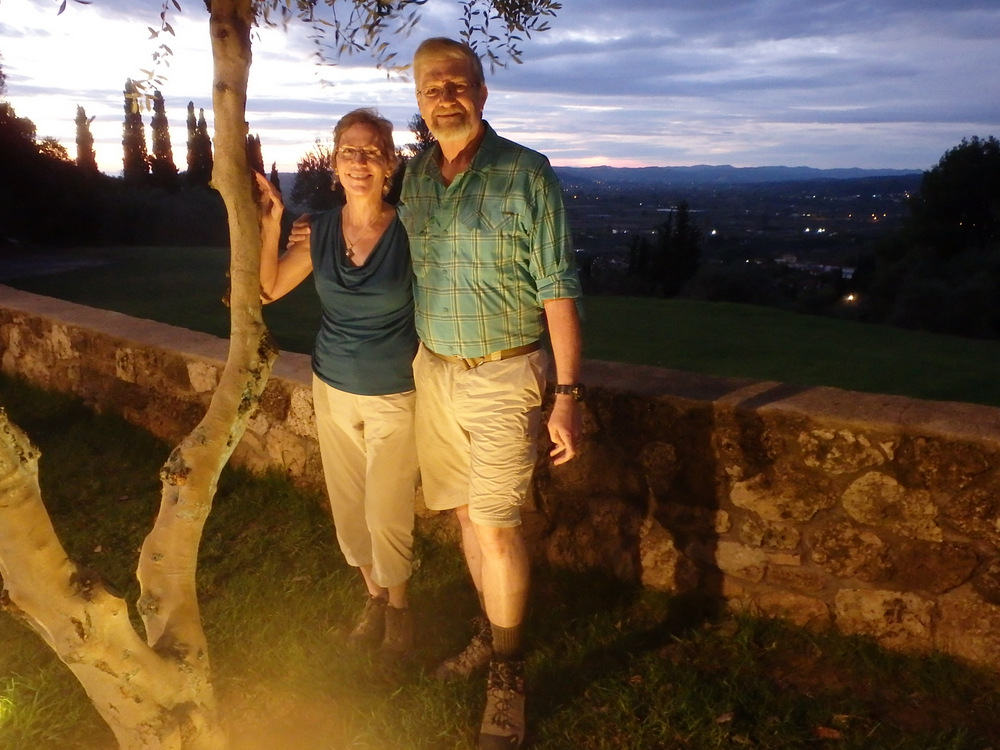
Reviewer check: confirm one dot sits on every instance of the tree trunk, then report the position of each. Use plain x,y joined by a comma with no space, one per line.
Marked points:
155,693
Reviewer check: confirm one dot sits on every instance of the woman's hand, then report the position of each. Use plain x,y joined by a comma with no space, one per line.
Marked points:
271,207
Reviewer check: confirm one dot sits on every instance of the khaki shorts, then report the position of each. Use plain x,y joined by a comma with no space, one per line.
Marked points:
477,433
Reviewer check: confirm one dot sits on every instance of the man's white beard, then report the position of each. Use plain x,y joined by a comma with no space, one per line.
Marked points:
449,128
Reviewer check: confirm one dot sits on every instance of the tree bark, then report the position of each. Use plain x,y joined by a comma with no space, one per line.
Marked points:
131,685
155,693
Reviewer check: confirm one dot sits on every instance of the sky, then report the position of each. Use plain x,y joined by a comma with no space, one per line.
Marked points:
877,84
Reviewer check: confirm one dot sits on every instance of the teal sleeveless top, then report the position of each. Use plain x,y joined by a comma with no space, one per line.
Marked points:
367,339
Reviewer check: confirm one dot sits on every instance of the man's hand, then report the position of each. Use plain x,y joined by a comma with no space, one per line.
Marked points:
299,233
564,429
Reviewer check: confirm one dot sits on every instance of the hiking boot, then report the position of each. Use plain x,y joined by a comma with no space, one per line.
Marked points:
503,719
371,625
474,657
397,645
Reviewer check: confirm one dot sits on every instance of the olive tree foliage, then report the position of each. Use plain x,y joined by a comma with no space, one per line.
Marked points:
424,138
315,187
154,687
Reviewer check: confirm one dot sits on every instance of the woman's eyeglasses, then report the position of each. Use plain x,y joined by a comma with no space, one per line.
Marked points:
353,153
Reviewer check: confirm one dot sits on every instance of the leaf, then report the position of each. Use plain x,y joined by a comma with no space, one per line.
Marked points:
724,718
827,733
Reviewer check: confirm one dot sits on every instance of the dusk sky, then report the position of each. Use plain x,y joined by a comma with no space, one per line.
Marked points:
819,83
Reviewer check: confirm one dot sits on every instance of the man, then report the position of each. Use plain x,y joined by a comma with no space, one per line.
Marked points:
493,267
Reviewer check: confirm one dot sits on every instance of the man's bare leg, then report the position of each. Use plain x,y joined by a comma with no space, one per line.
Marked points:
470,548
504,572
498,560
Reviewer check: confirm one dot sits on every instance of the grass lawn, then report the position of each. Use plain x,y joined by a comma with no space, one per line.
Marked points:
611,666
184,286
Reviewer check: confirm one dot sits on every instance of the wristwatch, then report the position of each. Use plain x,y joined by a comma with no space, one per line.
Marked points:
577,390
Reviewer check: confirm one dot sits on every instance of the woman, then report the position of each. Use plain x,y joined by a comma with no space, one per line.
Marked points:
362,379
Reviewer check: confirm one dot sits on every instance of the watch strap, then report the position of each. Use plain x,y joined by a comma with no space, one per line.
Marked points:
576,390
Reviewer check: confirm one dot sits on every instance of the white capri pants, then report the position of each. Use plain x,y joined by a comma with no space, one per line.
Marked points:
369,457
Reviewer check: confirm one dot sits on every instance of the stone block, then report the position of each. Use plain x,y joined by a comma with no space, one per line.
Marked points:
804,611
839,451
783,497
848,551
896,619
741,561
877,499
969,628
658,557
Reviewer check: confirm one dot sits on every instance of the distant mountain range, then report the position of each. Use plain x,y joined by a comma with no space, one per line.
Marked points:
705,174
702,175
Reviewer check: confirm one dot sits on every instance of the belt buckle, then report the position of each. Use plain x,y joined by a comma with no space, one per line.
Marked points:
470,363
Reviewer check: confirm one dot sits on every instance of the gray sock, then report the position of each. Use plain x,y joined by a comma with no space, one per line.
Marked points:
506,642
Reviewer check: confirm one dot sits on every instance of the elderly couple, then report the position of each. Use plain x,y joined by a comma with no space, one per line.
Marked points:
429,348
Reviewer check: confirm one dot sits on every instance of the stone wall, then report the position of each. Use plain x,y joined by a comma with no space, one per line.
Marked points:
877,515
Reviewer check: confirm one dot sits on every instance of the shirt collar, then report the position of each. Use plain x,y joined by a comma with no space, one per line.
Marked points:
487,149
483,156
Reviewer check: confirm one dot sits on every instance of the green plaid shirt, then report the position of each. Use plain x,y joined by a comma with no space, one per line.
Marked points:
488,249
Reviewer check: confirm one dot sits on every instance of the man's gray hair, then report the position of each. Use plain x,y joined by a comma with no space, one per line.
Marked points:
442,46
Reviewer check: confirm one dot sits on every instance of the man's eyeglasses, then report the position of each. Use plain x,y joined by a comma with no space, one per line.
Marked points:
353,153
432,93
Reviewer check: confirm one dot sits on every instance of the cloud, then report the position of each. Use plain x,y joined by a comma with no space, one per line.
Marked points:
827,83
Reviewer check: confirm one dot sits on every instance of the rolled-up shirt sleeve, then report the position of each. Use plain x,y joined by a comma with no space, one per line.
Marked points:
553,264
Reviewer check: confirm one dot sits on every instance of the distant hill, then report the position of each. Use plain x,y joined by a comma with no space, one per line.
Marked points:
722,175
701,175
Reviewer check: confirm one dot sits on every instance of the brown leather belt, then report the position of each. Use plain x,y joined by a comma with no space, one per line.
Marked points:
471,362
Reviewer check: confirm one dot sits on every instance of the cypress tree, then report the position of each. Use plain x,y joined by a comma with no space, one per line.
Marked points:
199,149
135,163
86,159
192,135
162,163
254,155
205,145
